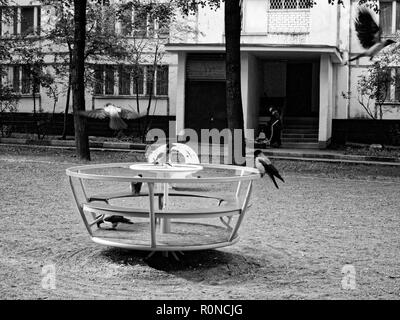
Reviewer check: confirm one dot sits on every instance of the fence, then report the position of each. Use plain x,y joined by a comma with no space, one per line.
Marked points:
47,124
386,132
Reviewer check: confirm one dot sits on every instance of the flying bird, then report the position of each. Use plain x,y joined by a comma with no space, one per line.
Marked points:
116,114
369,34
265,166
136,186
114,220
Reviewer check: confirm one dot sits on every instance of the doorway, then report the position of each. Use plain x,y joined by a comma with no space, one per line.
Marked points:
301,90
205,105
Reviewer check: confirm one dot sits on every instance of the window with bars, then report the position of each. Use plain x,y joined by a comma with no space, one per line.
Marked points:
289,4
132,80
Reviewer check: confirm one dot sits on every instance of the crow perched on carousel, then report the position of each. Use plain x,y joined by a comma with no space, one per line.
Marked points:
116,114
265,166
114,220
369,34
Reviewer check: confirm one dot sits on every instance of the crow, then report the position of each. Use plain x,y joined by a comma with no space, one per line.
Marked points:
136,186
114,220
369,34
116,114
264,165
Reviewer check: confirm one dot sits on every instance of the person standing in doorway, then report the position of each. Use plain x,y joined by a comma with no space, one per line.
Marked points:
275,127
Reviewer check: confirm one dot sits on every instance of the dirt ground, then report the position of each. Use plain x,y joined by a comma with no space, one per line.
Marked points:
294,241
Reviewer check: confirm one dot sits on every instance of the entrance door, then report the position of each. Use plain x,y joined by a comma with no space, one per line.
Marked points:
299,91
205,105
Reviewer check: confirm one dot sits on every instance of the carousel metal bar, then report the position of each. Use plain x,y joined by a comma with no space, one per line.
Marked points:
80,207
243,211
152,215
239,185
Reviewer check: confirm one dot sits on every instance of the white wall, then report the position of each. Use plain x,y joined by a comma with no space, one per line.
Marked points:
316,26
251,83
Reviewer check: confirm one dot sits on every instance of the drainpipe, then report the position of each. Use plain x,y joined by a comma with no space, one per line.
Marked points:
349,65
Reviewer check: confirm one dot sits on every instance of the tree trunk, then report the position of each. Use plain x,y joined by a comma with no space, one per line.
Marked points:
233,85
64,133
78,81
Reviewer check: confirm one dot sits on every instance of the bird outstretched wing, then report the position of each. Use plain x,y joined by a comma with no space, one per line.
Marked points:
367,29
96,114
128,114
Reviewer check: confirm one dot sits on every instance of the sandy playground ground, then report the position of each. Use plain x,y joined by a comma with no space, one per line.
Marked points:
294,241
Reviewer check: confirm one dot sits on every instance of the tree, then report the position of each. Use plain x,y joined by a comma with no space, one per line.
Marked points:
160,21
101,41
8,96
374,85
373,88
78,79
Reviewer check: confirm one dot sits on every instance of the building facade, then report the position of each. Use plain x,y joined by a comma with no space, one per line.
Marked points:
292,58
110,81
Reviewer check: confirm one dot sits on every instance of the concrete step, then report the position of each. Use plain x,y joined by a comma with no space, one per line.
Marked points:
300,131
300,126
313,121
299,135
300,145
301,119
306,140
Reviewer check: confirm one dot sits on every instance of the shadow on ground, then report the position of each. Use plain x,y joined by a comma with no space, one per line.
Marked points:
211,266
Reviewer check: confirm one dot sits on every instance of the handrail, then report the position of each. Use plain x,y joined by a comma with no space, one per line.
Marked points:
78,172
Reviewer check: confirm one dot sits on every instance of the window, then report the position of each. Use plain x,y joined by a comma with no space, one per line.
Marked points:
109,80
27,21
397,85
138,80
24,20
393,86
26,80
124,81
19,77
389,90
16,77
126,22
132,80
150,80
99,80
140,24
162,80
389,17
289,4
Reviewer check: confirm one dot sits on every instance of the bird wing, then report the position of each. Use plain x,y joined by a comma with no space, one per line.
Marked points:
260,167
128,114
96,114
367,29
271,170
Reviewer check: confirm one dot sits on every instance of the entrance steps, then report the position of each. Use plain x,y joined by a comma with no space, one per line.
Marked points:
300,133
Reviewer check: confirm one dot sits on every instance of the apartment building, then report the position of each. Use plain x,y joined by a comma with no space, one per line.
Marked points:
292,58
